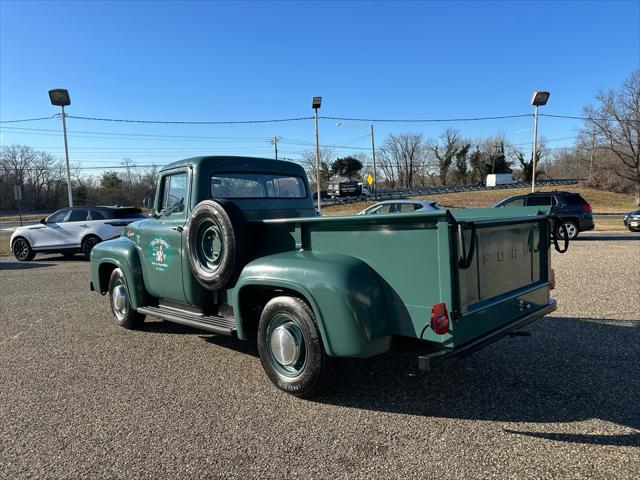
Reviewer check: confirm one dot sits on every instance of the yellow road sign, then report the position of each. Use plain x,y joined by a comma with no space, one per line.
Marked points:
369,180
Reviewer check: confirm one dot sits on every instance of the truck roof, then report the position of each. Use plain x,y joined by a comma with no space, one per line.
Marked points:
233,163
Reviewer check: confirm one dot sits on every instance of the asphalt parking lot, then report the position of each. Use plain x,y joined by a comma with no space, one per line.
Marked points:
83,398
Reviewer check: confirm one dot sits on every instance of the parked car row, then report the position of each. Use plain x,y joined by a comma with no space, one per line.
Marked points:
78,229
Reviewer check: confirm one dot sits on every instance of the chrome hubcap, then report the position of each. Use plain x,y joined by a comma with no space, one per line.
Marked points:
120,302
285,346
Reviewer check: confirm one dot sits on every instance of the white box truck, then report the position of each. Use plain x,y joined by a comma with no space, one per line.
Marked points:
494,179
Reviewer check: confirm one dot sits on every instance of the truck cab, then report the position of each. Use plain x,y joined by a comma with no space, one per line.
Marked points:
233,246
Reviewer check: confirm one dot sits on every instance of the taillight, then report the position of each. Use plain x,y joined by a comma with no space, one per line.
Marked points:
439,319
552,280
586,207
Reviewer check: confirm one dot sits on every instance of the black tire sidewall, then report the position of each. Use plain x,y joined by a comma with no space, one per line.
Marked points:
30,252
313,378
232,227
85,242
132,319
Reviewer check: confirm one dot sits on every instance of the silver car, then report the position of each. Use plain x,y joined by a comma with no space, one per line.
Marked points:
401,206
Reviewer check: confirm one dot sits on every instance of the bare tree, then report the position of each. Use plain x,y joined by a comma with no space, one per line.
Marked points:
403,158
615,122
327,156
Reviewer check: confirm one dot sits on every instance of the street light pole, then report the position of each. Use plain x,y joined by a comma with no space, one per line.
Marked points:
535,145
373,155
316,105
66,156
537,99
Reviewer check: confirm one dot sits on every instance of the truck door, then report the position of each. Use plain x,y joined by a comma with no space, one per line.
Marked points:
162,240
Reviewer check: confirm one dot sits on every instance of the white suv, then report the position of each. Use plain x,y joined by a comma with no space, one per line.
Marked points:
72,230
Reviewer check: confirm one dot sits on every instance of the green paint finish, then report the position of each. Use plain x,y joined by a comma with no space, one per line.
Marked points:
367,278
345,294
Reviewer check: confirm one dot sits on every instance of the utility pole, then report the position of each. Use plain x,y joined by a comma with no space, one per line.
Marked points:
274,142
593,147
60,97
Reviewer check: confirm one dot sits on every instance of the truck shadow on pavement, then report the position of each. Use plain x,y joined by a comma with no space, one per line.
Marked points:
22,265
568,370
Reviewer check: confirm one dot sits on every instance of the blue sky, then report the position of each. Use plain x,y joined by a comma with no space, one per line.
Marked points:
259,60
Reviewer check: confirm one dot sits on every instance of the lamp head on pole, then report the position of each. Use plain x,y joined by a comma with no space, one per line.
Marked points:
316,102
539,98
59,97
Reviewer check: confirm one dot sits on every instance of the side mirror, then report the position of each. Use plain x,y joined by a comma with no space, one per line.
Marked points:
148,202
43,221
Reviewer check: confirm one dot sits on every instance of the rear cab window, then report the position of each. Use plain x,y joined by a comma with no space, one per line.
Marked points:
257,185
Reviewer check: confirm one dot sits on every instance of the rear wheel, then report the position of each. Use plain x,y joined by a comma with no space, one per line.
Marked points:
570,226
290,347
126,316
22,250
87,245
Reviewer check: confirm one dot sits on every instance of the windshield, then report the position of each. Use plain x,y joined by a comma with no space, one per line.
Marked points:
256,185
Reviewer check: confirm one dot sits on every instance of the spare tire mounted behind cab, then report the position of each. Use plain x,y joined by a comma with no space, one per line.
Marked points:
216,243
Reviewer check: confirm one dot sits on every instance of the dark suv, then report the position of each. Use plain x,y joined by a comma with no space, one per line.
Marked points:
573,210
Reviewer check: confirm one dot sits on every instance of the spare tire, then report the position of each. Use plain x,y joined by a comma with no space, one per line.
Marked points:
216,243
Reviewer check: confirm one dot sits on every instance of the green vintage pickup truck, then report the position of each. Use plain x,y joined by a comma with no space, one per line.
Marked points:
234,246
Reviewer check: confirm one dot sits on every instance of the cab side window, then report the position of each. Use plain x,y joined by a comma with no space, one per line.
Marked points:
174,191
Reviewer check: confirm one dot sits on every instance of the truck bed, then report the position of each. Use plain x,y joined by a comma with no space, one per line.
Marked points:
489,266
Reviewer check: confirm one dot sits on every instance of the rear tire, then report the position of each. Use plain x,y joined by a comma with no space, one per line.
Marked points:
22,250
87,245
125,315
572,229
290,347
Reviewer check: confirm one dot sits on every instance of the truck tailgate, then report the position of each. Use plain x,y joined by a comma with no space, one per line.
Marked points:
508,272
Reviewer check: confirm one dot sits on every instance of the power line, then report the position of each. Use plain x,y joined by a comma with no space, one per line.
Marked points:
174,122
30,119
426,120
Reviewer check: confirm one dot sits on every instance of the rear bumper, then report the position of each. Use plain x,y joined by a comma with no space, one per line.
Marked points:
428,362
586,224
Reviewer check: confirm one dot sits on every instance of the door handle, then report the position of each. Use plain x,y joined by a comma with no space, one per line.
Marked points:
177,229
84,226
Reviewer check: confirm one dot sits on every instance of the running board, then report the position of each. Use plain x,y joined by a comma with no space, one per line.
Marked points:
219,325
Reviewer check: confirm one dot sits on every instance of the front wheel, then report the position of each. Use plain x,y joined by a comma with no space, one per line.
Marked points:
22,250
290,347
126,316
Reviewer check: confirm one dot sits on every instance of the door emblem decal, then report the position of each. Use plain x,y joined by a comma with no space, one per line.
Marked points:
160,254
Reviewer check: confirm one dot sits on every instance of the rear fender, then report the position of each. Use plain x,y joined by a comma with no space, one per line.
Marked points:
121,253
344,293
